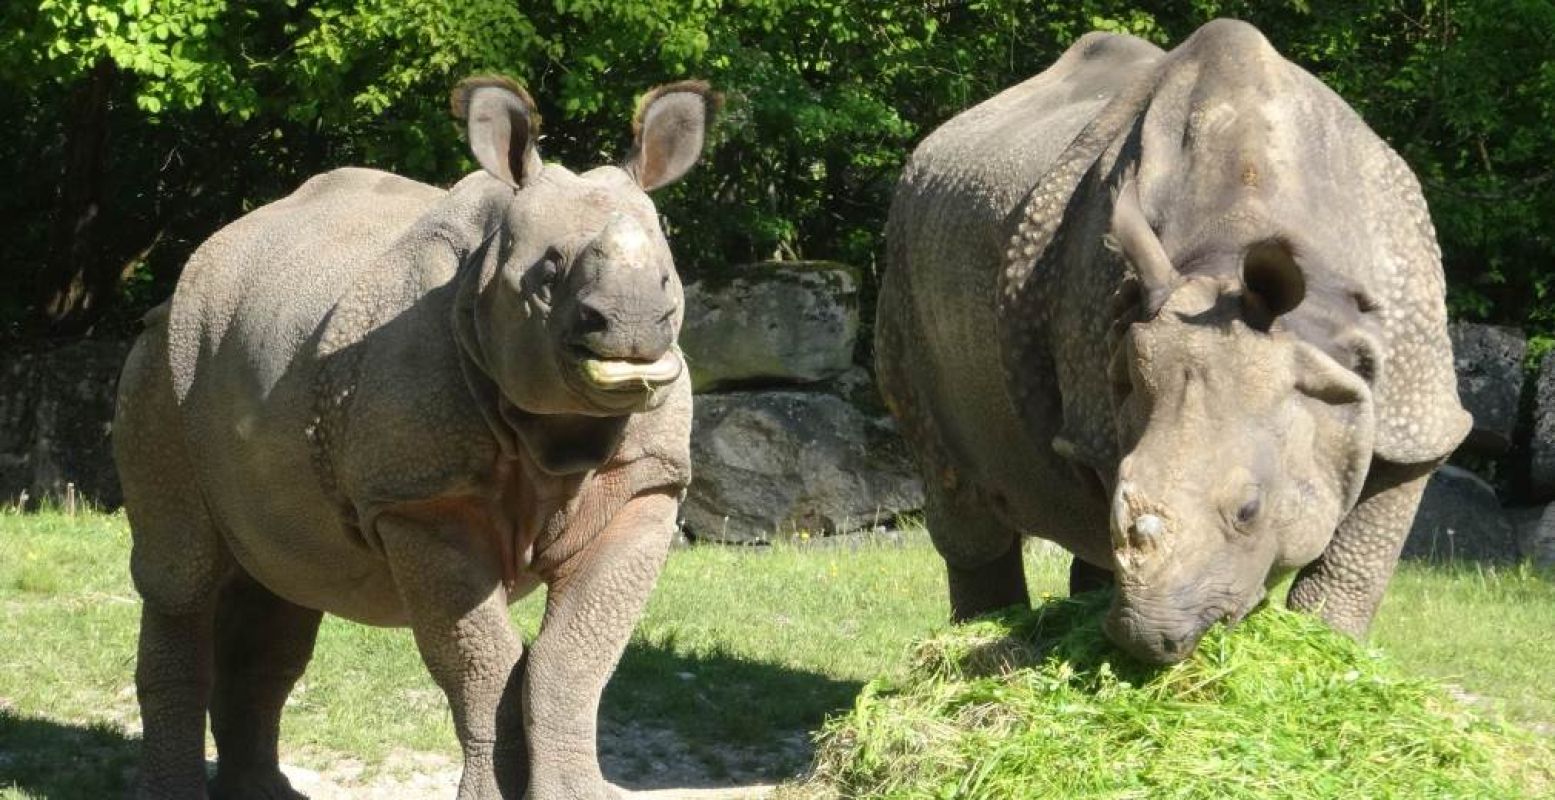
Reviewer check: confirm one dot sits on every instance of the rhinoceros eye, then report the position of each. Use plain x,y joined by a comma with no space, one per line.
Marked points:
543,276
1243,506
1248,511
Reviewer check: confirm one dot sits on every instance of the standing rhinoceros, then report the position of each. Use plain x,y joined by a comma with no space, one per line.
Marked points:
1180,313
410,406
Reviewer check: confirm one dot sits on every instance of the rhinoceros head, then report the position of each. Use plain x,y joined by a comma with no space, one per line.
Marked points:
1244,441
579,304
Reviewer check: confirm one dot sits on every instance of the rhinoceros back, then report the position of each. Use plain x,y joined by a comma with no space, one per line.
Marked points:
263,284
949,228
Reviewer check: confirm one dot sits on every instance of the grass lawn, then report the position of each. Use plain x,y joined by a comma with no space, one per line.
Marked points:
739,648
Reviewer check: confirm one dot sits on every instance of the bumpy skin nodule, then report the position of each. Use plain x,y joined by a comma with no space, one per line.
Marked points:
411,406
1181,313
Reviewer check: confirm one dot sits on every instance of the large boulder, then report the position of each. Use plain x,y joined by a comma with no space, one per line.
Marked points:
1460,519
1541,469
1536,534
772,323
56,412
1489,363
771,464
857,386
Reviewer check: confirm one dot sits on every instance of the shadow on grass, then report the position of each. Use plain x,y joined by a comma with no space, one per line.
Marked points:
667,720
47,759
741,721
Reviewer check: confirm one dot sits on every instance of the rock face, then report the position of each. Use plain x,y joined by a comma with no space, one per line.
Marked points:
1536,535
1541,470
771,323
1460,519
774,463
56,411
1489,363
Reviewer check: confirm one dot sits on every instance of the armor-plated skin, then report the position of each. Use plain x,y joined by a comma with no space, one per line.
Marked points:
410,406
1181,313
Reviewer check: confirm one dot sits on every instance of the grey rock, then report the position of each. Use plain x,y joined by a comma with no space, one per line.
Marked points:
857,386
56,413
775,463
1460,519
1489,362
777,323
1541,469
1536,534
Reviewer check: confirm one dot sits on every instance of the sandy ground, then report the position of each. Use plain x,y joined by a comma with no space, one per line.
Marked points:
651,762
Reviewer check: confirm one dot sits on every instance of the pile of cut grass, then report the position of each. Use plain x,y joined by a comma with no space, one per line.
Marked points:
1036,703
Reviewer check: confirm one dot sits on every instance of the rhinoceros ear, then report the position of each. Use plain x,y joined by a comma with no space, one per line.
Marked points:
502,124
668,132
1132,236
1274,282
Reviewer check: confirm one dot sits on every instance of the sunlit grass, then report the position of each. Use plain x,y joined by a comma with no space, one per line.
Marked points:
737,646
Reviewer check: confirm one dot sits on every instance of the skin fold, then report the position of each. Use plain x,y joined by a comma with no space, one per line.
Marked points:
409,406
1180,312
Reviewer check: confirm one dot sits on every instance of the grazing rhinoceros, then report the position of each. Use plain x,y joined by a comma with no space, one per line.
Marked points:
410,406
1180,313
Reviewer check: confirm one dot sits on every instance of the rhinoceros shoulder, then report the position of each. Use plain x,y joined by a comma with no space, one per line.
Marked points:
997,150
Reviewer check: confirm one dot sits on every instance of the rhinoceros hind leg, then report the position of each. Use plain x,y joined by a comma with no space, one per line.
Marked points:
982,554
263,644
178,564
173,680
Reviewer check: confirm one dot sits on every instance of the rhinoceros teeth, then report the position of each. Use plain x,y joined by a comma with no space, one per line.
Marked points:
620,373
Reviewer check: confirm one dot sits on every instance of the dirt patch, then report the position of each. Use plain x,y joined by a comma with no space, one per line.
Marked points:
403,774
652,762
643,757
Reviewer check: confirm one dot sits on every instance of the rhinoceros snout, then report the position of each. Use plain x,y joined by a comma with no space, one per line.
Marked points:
629,328
1156,641
627,297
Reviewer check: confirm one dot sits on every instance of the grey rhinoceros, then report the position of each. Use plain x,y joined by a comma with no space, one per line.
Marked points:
1181,313
410,406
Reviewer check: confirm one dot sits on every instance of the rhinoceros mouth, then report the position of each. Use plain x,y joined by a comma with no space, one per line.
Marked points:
628,375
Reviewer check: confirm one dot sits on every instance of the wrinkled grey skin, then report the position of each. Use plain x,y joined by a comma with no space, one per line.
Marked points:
410,406
1221,349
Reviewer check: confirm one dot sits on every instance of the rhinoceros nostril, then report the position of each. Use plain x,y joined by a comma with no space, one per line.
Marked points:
591,319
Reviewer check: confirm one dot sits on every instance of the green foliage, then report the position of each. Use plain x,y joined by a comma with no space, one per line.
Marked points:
218,106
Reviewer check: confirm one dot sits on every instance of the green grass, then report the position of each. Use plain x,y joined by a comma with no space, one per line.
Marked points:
1036,703
1489,630
738,646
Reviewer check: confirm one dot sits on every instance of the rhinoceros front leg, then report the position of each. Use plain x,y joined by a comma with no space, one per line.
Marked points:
450,579
1344,587
982,555
593,603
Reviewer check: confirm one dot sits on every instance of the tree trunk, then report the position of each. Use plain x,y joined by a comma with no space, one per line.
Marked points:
78,279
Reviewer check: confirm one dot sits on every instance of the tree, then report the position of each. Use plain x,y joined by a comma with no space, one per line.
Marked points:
146,124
